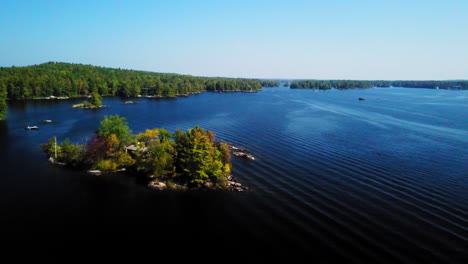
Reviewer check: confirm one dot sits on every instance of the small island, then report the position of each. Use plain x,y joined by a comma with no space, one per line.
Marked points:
96,102
179,161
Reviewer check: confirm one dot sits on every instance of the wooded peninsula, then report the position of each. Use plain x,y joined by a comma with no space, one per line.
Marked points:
77,80
67,80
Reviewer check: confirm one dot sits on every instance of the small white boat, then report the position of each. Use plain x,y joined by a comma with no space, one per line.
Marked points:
47,121
32,128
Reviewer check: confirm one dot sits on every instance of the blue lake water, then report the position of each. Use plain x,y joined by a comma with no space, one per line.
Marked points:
334,177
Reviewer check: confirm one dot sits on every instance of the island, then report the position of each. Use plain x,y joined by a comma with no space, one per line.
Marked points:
329,84
363,84
96,102
179,161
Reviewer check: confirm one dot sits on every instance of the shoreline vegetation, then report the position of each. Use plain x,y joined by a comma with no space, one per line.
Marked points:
179,161
58,80
356,84
68,80
61,81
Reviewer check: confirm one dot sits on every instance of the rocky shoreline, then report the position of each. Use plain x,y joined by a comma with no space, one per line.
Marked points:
240,152
82,106
233,183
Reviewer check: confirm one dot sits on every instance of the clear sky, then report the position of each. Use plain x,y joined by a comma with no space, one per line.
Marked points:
377,39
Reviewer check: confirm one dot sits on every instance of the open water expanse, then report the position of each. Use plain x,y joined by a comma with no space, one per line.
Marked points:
380,180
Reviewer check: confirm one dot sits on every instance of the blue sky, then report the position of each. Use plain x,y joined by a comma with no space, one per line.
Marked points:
261,39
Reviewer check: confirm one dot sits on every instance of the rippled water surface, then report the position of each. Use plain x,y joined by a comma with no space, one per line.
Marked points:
334,177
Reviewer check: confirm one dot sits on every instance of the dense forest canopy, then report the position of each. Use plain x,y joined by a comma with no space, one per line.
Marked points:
76,80
354,84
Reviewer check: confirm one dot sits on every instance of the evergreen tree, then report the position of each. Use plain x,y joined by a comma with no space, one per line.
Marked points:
96,99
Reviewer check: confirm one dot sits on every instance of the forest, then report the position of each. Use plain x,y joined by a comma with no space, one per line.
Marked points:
270,83
183,159
355,84
77,80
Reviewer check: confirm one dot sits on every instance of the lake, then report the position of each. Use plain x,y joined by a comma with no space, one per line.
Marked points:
384,179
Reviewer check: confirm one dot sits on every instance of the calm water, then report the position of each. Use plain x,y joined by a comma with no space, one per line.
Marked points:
334,177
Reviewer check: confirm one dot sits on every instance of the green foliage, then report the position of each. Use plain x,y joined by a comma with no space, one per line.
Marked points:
3,104
78,80
225,153
161,162
158,159
199,159
71,154
118,126
68,153
164,134
87,104
49,147
314,84
270,83
125,160
106,165
193,158
353,84
96,99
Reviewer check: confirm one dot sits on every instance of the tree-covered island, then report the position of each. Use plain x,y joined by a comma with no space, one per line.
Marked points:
178,161
270,83
359,84
95,102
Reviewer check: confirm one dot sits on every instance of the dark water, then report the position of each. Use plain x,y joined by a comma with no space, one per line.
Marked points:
380,180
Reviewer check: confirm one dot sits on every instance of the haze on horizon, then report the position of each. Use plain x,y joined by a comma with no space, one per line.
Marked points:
376,40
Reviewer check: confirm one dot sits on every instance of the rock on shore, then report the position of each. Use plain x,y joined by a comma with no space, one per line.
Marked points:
233,185
240,152
157,185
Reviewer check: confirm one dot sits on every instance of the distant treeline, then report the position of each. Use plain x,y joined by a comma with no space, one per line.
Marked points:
269,83
76,80
352,84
